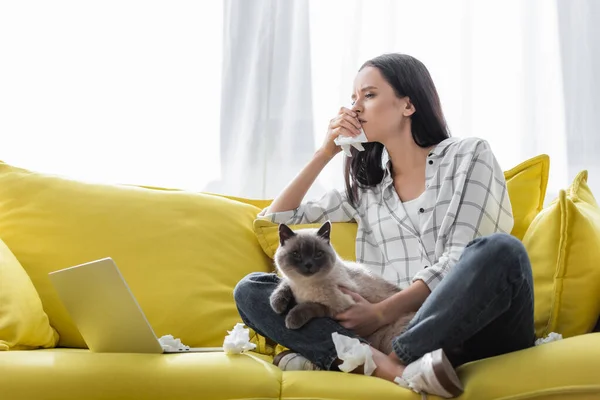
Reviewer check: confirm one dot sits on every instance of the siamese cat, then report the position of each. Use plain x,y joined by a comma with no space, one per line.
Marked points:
312,273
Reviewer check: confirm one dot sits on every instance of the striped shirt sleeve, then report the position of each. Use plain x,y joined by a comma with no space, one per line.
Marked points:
333,206
480,207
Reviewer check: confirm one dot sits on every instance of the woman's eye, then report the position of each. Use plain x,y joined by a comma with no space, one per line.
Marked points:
369,95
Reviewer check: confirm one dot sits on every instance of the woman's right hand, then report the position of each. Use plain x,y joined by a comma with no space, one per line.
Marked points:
345,124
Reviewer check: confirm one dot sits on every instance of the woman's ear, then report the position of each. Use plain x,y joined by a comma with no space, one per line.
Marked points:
409,108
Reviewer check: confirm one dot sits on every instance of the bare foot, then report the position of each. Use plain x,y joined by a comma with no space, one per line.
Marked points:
388,367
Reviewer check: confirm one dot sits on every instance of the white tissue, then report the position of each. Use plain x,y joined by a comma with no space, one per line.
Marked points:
168,342
346,141
353,353
552,337
238,340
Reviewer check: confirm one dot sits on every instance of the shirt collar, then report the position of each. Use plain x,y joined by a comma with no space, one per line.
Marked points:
438,151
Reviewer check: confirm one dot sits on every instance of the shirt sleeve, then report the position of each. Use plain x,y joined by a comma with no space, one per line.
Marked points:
482,208
333,206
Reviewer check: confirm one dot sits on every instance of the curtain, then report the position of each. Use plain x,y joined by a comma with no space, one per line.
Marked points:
112,91
496,65
580,56
266,110
235,96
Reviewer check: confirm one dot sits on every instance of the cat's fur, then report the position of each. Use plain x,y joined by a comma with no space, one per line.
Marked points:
311,275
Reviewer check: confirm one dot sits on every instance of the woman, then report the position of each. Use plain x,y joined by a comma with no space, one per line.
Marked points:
433,217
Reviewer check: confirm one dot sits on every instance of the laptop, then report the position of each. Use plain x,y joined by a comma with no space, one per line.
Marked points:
105,311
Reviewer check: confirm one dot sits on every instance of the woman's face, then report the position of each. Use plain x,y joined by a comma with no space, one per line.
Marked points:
381,112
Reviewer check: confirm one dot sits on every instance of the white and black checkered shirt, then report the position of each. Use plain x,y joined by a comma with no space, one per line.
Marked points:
465,198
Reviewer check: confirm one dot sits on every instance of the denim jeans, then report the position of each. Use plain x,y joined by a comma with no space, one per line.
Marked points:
482,308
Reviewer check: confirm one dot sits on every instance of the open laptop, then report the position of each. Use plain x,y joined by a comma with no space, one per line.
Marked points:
105,311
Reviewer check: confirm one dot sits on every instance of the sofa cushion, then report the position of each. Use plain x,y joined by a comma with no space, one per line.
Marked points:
343,237
23,322
562,243
181,253
561,370
526,184
566,369
74,374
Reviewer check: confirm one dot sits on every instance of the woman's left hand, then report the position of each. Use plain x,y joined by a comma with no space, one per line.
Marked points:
363,318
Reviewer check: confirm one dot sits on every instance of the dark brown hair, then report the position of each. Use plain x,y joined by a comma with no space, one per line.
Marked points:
409,77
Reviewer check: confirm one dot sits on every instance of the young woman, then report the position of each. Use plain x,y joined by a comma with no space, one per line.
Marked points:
433,216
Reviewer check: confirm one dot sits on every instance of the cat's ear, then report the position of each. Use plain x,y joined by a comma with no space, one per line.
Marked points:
325,231
285,233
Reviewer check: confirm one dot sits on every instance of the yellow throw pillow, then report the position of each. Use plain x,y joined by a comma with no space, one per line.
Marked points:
181,253
563,243
23,323
343,237
526,184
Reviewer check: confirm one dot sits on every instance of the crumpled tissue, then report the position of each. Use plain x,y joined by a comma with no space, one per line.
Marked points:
238,340
353,353
346,141
552,337
168,342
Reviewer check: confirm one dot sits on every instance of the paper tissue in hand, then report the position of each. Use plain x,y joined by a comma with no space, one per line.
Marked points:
353,353
169,343
346,141
238,340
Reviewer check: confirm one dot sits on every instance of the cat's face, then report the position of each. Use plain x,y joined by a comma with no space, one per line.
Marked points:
305,253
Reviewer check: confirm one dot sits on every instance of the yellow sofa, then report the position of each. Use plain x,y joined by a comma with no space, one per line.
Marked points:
182,253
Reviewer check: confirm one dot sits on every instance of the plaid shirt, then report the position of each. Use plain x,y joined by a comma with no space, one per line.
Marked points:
465,198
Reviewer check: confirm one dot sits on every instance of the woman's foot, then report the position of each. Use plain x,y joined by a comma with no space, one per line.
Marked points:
388,367
432,373
291,361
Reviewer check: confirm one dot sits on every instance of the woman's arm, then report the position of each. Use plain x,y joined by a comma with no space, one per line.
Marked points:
364,318
480,205
291,197
404,302
346,123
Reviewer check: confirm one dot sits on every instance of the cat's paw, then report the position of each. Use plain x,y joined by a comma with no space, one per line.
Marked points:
296,318
279,303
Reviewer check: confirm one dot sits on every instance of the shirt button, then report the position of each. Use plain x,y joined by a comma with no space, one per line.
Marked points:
430,162
430,154
421,210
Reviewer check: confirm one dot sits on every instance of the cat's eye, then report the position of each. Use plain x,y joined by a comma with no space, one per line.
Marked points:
319,254
295,253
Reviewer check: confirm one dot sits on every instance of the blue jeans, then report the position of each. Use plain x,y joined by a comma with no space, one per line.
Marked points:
482,308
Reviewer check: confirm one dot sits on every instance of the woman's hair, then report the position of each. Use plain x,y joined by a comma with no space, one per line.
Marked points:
409,77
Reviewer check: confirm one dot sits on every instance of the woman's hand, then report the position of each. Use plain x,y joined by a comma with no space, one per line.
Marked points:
363,318
345,124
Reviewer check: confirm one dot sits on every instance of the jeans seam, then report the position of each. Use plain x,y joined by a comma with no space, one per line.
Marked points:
404,356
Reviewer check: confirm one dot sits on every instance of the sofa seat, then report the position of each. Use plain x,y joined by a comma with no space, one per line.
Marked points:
566,369
75,374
